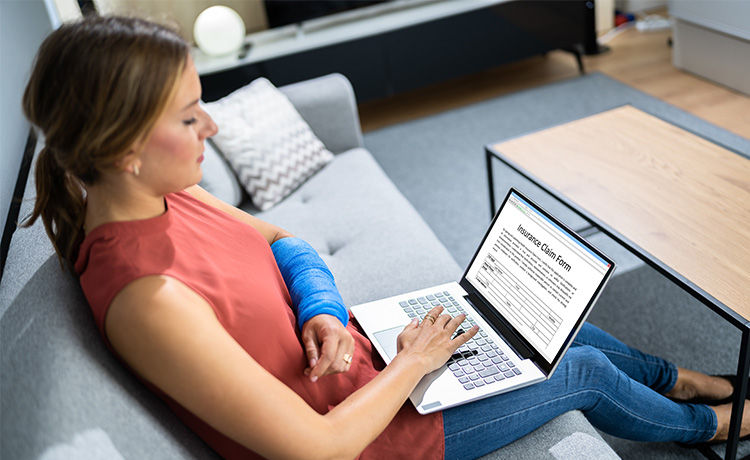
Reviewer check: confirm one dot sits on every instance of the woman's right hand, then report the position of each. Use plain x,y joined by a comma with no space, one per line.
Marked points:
430,341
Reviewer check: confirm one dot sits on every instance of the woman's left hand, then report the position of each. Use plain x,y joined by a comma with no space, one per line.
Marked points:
329,346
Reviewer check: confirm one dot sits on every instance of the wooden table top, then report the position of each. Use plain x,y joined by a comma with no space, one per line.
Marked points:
679,197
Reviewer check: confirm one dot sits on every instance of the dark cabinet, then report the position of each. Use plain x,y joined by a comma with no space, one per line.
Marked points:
422,54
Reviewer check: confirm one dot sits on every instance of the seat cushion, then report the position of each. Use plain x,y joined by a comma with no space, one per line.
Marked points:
567,437
371,237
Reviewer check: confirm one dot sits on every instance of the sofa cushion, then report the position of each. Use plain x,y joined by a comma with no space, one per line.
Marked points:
218,178
63,392
270,147
369,235
567,437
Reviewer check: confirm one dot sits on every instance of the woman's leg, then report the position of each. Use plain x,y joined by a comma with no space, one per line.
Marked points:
585,380
652,371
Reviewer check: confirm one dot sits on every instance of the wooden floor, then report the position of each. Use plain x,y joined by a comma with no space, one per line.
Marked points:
640,59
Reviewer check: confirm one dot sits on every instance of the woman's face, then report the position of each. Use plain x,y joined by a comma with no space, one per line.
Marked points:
170,160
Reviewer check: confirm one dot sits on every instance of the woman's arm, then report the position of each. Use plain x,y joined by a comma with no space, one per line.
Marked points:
325,342
170,335
270,232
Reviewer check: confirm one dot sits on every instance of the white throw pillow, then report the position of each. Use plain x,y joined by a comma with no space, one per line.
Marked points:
266,142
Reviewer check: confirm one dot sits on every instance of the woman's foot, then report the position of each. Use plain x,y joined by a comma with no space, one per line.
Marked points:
692,384
723,415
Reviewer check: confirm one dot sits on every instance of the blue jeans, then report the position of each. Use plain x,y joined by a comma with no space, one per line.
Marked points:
619,390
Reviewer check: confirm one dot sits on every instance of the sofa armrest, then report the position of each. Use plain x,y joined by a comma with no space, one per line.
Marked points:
328,105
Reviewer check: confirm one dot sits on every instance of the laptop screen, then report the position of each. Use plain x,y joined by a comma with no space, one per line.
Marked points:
537,275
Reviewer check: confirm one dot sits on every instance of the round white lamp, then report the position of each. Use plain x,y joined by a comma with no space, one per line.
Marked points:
219,31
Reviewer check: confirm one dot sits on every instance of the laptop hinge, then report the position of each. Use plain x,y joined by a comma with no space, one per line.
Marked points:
507,332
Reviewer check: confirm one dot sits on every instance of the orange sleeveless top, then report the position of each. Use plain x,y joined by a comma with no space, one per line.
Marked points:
230,264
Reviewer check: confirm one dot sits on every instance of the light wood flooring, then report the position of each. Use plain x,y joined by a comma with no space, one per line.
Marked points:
642,60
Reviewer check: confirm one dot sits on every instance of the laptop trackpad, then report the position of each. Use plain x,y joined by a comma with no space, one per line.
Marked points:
387,340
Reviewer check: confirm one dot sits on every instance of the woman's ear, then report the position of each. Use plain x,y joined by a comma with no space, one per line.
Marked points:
129,163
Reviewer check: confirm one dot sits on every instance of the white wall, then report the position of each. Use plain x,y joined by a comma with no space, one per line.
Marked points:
639,6
730,17
23,26
605,15
184,12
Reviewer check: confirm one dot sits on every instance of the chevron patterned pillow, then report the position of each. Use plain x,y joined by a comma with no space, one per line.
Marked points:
267,143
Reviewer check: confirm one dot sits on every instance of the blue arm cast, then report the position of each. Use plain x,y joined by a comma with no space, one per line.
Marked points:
309,281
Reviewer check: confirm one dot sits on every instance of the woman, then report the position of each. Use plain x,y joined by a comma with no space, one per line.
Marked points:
236,323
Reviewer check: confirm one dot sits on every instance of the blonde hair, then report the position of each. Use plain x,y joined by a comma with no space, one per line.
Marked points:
97,87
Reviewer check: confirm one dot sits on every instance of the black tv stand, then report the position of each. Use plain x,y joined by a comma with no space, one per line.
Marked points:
409,54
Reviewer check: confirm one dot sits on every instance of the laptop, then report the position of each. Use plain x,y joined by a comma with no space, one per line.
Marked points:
529,287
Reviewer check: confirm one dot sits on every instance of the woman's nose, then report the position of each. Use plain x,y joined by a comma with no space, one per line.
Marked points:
209,127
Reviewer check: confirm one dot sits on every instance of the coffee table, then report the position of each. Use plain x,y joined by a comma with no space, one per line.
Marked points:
676,200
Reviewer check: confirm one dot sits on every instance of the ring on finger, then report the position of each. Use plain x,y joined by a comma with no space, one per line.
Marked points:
431,318
347,358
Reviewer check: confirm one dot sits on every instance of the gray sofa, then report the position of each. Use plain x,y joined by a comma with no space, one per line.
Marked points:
64,396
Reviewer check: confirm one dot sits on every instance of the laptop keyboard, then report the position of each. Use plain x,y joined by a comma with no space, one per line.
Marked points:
479,361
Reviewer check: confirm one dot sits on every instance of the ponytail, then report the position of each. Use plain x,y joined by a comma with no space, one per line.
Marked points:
61,204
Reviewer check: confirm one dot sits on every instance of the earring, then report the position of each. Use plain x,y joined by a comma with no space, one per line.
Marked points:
135,170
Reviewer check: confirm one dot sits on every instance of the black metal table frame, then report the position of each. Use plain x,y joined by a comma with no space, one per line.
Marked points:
743,364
